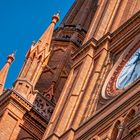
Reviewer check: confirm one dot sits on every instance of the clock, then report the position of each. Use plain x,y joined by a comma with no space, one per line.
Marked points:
125,72
130,72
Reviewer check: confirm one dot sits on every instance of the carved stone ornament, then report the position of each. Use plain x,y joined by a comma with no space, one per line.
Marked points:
43,106
111,88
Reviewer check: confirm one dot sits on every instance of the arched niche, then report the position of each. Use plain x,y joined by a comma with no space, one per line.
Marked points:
114,130
131,114
127,119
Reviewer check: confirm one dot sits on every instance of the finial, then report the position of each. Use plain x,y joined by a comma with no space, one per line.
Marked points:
14,53
11,57
58,13
33,42
56,17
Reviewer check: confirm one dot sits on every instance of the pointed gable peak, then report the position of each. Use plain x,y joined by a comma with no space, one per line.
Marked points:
43,44
47,36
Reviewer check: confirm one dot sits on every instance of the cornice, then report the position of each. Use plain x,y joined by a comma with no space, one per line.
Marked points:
67,41
126,24
12,94
38,117
24,80
20,100
68,27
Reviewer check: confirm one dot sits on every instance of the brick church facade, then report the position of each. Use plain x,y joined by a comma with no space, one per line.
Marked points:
80,81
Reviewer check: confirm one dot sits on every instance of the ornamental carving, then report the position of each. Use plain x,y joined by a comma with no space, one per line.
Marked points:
43,106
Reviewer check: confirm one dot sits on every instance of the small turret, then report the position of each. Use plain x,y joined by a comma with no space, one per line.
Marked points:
4,71
36,58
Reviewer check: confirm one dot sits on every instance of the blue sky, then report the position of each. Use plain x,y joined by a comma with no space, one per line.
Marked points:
21,22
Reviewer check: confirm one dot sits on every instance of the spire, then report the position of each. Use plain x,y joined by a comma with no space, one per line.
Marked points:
36,58
47,36
45,40
4,71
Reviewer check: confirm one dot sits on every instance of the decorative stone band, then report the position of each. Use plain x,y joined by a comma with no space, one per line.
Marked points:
43,106
110,89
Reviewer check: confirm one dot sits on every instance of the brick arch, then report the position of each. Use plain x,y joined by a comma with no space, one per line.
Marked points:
109,89
113,133
129,116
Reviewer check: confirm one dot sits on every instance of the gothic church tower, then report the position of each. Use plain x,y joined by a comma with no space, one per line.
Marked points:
90,95
67,39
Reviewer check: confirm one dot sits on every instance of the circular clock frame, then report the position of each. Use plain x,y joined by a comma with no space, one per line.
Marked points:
109,89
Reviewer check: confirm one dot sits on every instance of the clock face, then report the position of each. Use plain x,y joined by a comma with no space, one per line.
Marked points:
130,72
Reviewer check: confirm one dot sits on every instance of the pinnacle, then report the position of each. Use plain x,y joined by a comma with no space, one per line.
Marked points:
56,17
11,57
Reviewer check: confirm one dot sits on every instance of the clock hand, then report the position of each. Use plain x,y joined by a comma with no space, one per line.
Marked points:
135,63
129,71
